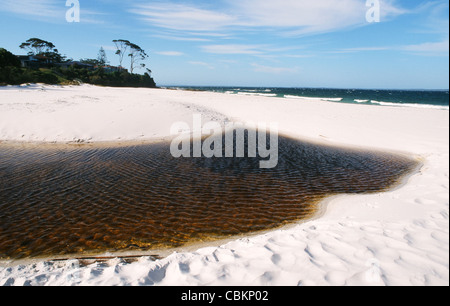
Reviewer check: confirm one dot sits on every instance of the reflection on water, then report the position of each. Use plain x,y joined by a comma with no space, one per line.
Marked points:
56,201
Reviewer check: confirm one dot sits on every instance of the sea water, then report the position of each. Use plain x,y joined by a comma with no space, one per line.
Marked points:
437,99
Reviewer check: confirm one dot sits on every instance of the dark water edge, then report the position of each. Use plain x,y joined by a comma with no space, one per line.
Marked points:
90,200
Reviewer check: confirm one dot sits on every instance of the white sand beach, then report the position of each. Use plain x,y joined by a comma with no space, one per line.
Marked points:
400,237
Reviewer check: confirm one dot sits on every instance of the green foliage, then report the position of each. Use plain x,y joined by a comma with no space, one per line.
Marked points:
54,57
17,76
12,73
90,61
57,75
115,79
37,46
121,46
102,59
7,59
137,54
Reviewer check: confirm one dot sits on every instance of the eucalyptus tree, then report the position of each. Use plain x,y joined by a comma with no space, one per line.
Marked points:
36,46
121,46
137,55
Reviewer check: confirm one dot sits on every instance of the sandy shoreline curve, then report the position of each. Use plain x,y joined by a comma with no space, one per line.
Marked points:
399,237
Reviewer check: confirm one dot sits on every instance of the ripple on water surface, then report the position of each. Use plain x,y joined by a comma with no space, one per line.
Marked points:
80,200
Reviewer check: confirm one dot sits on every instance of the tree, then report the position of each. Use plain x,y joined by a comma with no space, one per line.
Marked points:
102,59
55,57
90,61
137,54
37,46
7,59
121,46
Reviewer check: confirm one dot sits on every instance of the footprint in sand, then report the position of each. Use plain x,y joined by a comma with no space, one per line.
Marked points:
425,201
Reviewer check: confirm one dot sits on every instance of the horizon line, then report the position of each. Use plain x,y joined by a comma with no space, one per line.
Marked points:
308,87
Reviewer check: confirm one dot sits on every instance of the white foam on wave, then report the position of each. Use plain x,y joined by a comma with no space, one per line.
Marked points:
333,99
314,98
381,103
266,95
414,105
256,94
301,98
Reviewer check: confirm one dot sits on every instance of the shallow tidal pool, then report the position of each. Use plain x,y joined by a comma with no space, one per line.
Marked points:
66,200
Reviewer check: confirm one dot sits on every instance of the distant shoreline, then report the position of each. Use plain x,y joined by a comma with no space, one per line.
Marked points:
438,99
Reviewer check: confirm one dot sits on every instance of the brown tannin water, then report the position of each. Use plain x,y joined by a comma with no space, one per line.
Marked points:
83,200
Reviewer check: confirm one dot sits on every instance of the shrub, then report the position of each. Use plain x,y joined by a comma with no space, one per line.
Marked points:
7,59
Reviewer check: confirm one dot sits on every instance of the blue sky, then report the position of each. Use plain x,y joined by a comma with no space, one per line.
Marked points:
267,43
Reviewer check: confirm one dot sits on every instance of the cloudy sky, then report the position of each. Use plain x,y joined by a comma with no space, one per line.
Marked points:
285,43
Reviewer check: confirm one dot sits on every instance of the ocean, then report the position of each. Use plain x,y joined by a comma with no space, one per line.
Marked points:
437,99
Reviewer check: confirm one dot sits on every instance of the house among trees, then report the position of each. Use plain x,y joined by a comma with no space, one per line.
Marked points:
111,69
41,61
76,64
45,64
34,61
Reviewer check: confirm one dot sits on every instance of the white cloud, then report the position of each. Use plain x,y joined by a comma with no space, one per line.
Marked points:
293,17
233,49
106,47
435,18
361,49
89,16
203,64
429,48
170,53
299,55
33,8
426,48
273,70
48,10
302,16
180,38
182,17
227,61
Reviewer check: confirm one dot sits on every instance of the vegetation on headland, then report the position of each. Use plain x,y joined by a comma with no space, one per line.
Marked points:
44,64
